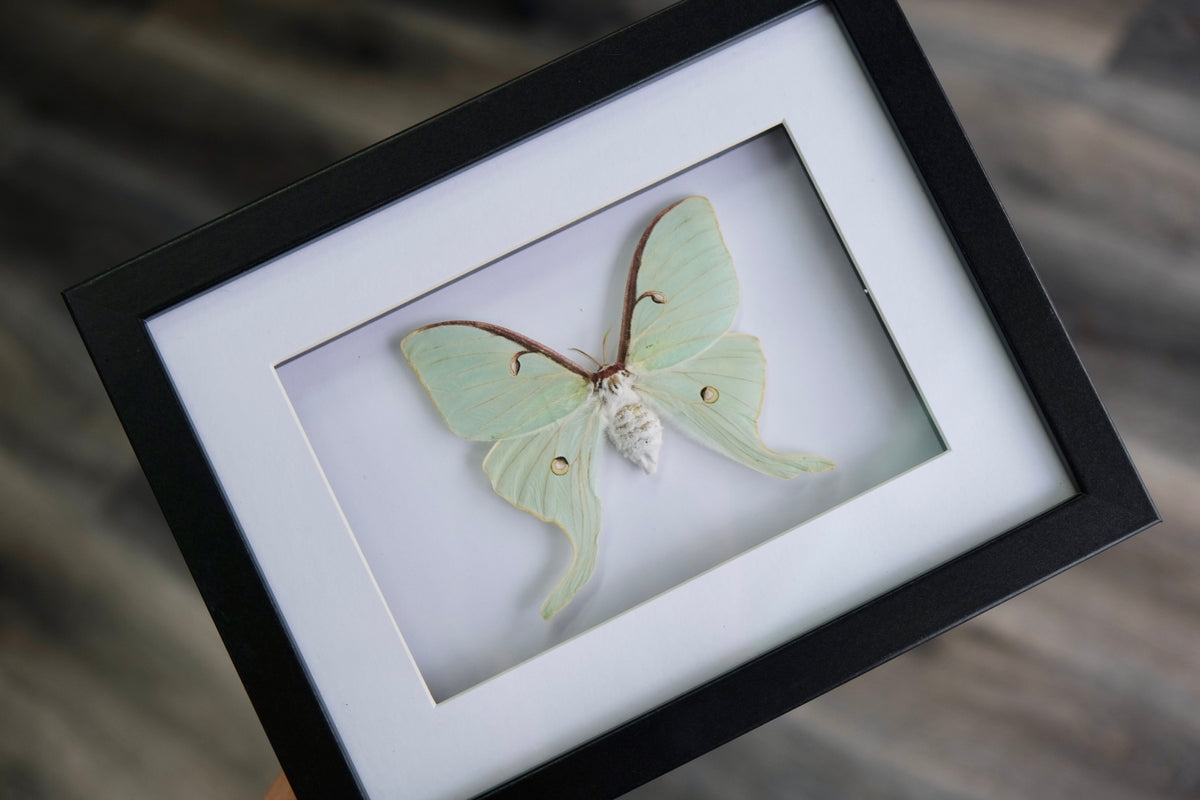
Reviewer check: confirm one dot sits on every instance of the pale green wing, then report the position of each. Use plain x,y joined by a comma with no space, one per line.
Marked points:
490,383
549,474
716,396
682,291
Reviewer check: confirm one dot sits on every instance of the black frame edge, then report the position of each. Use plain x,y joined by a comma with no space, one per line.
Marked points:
111,311
212,546
975,218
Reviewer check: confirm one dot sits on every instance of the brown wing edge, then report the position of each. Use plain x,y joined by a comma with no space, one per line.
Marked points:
631,281
516,338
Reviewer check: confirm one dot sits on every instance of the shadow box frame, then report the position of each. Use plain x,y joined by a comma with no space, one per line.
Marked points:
189,339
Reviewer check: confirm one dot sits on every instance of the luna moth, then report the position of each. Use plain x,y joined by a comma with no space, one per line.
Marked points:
546,413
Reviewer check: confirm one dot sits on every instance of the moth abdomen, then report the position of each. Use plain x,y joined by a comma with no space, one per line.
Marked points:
636,431
631,425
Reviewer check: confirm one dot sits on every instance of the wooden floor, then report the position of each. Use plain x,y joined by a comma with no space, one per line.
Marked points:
125,123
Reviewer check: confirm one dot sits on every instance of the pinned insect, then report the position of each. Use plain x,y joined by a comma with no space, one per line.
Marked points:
675,358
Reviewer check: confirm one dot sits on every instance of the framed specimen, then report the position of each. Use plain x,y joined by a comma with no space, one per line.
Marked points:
389,604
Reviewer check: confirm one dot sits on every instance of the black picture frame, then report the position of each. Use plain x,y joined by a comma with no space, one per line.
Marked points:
112,310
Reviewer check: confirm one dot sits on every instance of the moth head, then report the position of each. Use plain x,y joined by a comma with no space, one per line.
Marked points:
615,382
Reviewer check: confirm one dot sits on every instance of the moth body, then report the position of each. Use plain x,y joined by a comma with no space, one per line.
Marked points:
544,412
631,425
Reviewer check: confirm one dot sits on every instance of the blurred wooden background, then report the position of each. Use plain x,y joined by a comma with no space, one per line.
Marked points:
125,123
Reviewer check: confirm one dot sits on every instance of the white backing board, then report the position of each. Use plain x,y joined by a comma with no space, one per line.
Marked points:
464,572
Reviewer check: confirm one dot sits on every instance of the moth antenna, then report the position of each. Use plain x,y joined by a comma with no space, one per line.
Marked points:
604,345
589,358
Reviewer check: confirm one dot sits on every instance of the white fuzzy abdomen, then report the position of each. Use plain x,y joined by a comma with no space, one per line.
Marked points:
636,432
632,426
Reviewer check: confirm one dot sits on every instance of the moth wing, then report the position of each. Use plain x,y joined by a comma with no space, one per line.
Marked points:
682,292
524,471
736,369
489,383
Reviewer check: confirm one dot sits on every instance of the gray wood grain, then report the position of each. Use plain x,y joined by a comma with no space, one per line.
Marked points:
124,124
